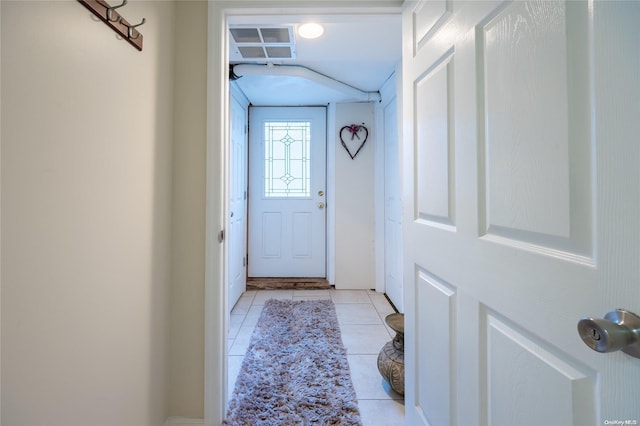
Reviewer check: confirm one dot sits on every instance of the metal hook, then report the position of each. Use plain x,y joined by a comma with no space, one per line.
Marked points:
131,27
111,9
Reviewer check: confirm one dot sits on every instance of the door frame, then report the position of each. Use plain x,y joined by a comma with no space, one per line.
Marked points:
217,178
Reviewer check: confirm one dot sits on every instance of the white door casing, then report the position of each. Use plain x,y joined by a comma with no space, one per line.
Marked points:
521,192
287,233
237,235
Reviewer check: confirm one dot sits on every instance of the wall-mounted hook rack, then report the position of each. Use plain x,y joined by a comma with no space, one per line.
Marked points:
110,16
132,28
113,19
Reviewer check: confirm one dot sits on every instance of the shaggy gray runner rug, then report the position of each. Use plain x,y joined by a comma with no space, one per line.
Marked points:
295,371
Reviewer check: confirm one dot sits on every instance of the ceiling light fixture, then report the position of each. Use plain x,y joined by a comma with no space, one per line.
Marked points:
310,30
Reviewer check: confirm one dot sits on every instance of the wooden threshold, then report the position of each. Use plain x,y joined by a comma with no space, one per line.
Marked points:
271,283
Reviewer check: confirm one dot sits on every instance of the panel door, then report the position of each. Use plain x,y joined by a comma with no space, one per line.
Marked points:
237,271
287,175
392,208
522,209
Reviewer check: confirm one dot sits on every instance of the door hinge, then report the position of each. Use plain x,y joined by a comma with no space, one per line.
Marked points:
221,236
244,261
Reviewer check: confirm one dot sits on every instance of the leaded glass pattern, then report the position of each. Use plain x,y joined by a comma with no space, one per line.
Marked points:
287,159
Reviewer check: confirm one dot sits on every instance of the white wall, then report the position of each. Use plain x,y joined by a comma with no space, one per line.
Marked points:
354,202
86,201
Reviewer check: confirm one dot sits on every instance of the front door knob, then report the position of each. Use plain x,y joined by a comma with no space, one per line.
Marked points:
321,205
619,330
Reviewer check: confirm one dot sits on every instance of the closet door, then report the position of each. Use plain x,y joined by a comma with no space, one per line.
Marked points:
392,208
237,271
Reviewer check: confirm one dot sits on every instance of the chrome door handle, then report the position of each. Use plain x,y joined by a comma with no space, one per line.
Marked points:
321,205
619,330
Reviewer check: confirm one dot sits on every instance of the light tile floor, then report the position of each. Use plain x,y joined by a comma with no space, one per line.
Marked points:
361,316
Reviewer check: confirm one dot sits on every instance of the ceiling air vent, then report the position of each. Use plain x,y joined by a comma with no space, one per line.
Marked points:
266,43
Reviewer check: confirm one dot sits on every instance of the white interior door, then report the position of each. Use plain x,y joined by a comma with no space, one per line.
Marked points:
237,271
392,208
287,173
522,207
237,235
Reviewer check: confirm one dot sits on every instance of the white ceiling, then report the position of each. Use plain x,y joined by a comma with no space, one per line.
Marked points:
358,50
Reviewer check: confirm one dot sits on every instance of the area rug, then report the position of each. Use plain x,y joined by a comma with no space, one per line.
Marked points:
295,371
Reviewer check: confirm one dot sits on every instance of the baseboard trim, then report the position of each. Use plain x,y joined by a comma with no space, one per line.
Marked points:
183,421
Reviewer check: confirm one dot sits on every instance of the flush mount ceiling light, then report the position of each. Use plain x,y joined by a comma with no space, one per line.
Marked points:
310,30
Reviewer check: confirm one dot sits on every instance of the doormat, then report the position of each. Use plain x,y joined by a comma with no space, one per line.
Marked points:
287,283
295,371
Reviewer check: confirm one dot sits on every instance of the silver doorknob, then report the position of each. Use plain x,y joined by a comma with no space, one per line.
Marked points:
321,205
619,330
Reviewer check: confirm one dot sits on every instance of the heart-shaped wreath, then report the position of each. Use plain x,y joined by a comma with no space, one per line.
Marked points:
356,130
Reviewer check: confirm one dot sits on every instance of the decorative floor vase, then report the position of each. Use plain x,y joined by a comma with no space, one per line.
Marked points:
391,357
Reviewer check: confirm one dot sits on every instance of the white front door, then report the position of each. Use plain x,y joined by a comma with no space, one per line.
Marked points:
287,178
522,209
237,271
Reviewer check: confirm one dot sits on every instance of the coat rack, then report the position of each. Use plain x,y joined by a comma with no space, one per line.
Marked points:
110,16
